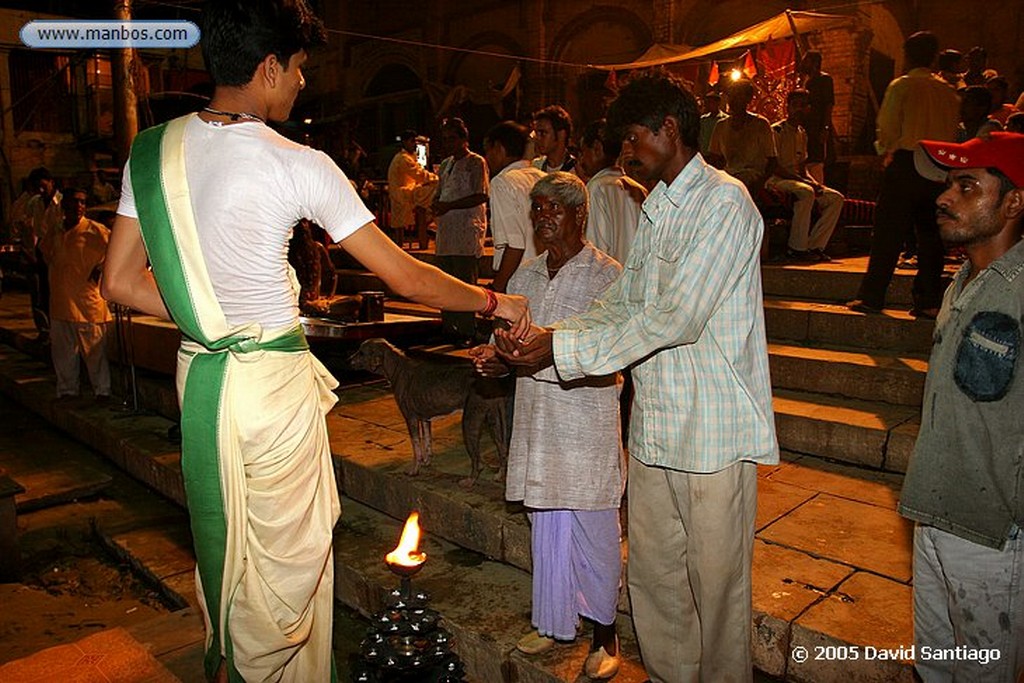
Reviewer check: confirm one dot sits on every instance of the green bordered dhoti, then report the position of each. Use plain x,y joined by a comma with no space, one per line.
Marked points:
255,452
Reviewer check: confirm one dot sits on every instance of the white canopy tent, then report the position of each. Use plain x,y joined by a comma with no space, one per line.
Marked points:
778,27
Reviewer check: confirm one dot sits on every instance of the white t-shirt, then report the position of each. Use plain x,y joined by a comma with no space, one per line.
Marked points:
249,186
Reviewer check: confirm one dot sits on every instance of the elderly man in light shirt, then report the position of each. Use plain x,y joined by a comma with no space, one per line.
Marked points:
565,461
512,178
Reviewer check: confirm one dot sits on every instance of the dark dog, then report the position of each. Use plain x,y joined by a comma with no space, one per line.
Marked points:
427,389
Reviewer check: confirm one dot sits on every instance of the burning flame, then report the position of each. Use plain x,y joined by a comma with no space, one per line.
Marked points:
406,553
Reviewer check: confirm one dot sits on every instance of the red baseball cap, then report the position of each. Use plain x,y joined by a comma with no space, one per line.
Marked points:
1002,151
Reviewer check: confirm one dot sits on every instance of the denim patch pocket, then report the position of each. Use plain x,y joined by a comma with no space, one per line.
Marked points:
987,356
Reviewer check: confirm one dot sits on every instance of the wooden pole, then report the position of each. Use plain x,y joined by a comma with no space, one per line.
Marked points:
126,120
797,38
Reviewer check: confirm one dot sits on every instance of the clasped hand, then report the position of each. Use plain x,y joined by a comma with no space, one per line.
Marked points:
532,349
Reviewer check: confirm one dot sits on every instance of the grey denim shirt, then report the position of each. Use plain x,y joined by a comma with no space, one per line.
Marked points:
966,475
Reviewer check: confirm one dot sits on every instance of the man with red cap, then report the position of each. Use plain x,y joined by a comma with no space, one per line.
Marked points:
965,482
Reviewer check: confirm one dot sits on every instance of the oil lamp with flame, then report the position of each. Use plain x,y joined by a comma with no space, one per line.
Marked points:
405,642
406,559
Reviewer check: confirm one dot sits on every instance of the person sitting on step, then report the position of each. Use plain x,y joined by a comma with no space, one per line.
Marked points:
806,242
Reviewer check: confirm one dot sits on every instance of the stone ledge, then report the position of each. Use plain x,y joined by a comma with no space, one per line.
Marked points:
847,430
801,599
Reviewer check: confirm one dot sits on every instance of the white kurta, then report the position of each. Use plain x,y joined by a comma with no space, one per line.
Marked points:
566,448
614,214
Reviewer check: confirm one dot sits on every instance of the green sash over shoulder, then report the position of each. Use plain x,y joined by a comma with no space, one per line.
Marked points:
172,242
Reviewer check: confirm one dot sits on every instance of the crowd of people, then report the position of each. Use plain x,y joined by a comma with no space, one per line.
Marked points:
632,251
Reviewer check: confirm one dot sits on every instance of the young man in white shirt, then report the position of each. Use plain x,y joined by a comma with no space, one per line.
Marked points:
215,195
512,178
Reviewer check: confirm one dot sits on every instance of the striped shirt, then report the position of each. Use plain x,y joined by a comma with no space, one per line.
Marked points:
687,313
565,450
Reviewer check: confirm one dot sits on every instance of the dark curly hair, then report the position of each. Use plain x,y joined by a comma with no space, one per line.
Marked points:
239,34
647,100
510,135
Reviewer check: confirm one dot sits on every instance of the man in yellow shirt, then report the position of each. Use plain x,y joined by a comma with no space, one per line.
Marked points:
79,317
409,186
917,106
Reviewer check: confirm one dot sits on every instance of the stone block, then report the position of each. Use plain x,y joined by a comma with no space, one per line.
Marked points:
783,321
857,534
784,583
516,543
180,589
866,611
843,481
827,282
776,499
900,446
876,376
846,442
843,429
159,551
893,330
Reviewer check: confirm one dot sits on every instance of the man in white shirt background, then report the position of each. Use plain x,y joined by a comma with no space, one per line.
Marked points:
552,131
790,176
512,178
460,207
614,197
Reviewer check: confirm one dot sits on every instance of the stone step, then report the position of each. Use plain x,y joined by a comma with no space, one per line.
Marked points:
110,655
871,376
834,325
876,435
836,281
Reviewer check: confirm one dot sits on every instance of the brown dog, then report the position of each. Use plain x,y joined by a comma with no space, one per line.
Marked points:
427,389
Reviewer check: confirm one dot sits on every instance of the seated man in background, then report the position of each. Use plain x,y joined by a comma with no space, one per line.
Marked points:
317,276
742,145
806,243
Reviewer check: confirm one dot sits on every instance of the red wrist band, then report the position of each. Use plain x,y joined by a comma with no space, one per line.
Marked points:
492,303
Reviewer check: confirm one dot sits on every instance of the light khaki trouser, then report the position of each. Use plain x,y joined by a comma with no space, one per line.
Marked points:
691,542
68,342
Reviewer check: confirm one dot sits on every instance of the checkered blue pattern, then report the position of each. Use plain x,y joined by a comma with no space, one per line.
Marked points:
687,314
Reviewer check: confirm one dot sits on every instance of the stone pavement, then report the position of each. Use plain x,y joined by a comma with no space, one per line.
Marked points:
832,558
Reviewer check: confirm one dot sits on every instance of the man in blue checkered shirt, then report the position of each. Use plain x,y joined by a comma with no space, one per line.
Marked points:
686,315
